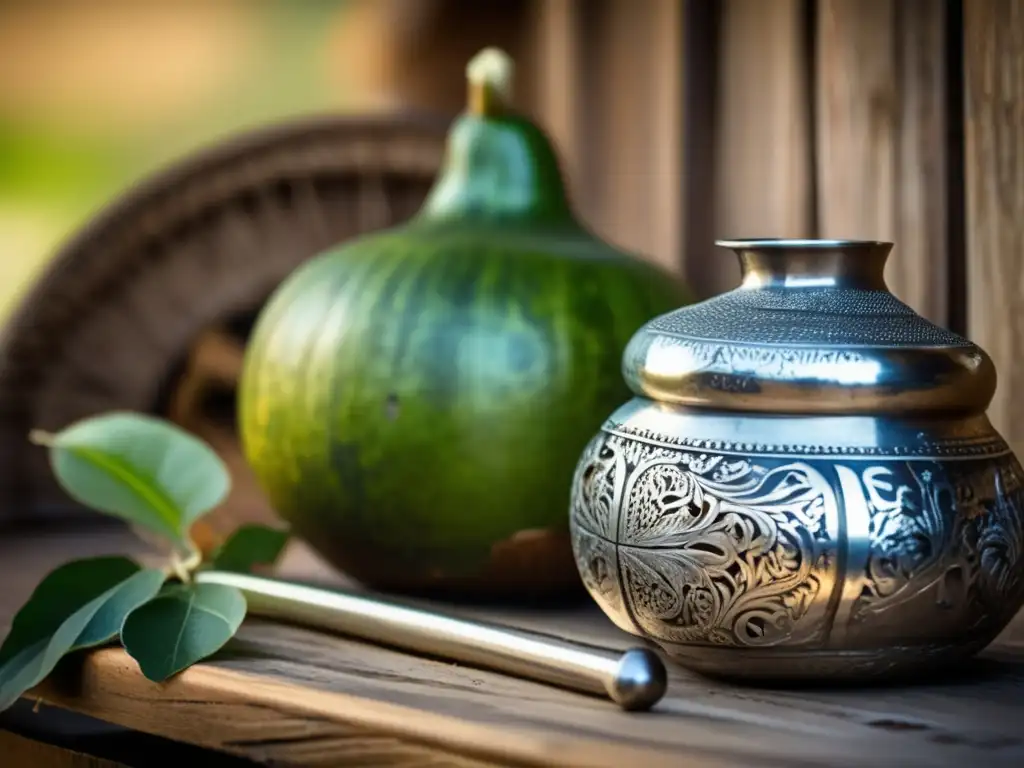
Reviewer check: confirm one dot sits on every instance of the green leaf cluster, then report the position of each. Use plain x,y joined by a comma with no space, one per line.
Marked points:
155,475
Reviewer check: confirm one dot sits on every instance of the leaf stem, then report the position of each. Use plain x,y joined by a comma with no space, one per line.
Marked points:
42,437
183,568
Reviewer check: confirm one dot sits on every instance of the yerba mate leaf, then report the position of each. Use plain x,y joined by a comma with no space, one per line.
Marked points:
139,468
248,546
62,592
106,623
31,653
182,626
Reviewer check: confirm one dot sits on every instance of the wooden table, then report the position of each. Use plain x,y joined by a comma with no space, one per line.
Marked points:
292,696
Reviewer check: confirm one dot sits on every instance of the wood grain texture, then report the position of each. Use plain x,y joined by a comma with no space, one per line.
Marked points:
19,752
307,698
763,174
994,159
881,133
918,270
634,84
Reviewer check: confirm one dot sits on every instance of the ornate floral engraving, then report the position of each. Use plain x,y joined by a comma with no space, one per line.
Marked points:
711,549
596,502
946,537
598,567
1000,541
597,488
910,514
706,548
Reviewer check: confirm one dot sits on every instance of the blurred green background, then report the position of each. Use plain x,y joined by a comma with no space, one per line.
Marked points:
95,94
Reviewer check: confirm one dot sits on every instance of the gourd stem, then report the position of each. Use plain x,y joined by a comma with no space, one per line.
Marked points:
489,78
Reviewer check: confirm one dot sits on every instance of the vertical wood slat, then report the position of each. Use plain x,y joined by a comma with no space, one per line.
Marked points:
666,93
559,82
919,268
637,126
994,173
881,133
703,263
857,103
705,266
763,167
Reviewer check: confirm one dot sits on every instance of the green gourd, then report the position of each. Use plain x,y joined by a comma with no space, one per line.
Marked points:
413,401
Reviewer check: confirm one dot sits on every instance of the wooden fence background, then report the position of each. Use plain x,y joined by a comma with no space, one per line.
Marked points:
681,121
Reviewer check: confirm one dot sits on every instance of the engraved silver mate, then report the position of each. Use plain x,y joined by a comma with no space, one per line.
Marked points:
806,485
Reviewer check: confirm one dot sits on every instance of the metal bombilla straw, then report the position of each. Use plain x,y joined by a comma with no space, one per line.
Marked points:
634,679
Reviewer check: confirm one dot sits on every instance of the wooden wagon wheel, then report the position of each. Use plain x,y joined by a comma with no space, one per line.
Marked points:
148,308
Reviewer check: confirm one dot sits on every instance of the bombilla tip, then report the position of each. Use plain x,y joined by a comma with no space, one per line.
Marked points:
640,680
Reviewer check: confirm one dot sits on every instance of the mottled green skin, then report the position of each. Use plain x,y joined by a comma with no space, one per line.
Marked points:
412,397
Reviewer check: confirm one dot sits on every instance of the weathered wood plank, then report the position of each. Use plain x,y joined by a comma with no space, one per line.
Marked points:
300,723
763,175
881,137
297,695
994,160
